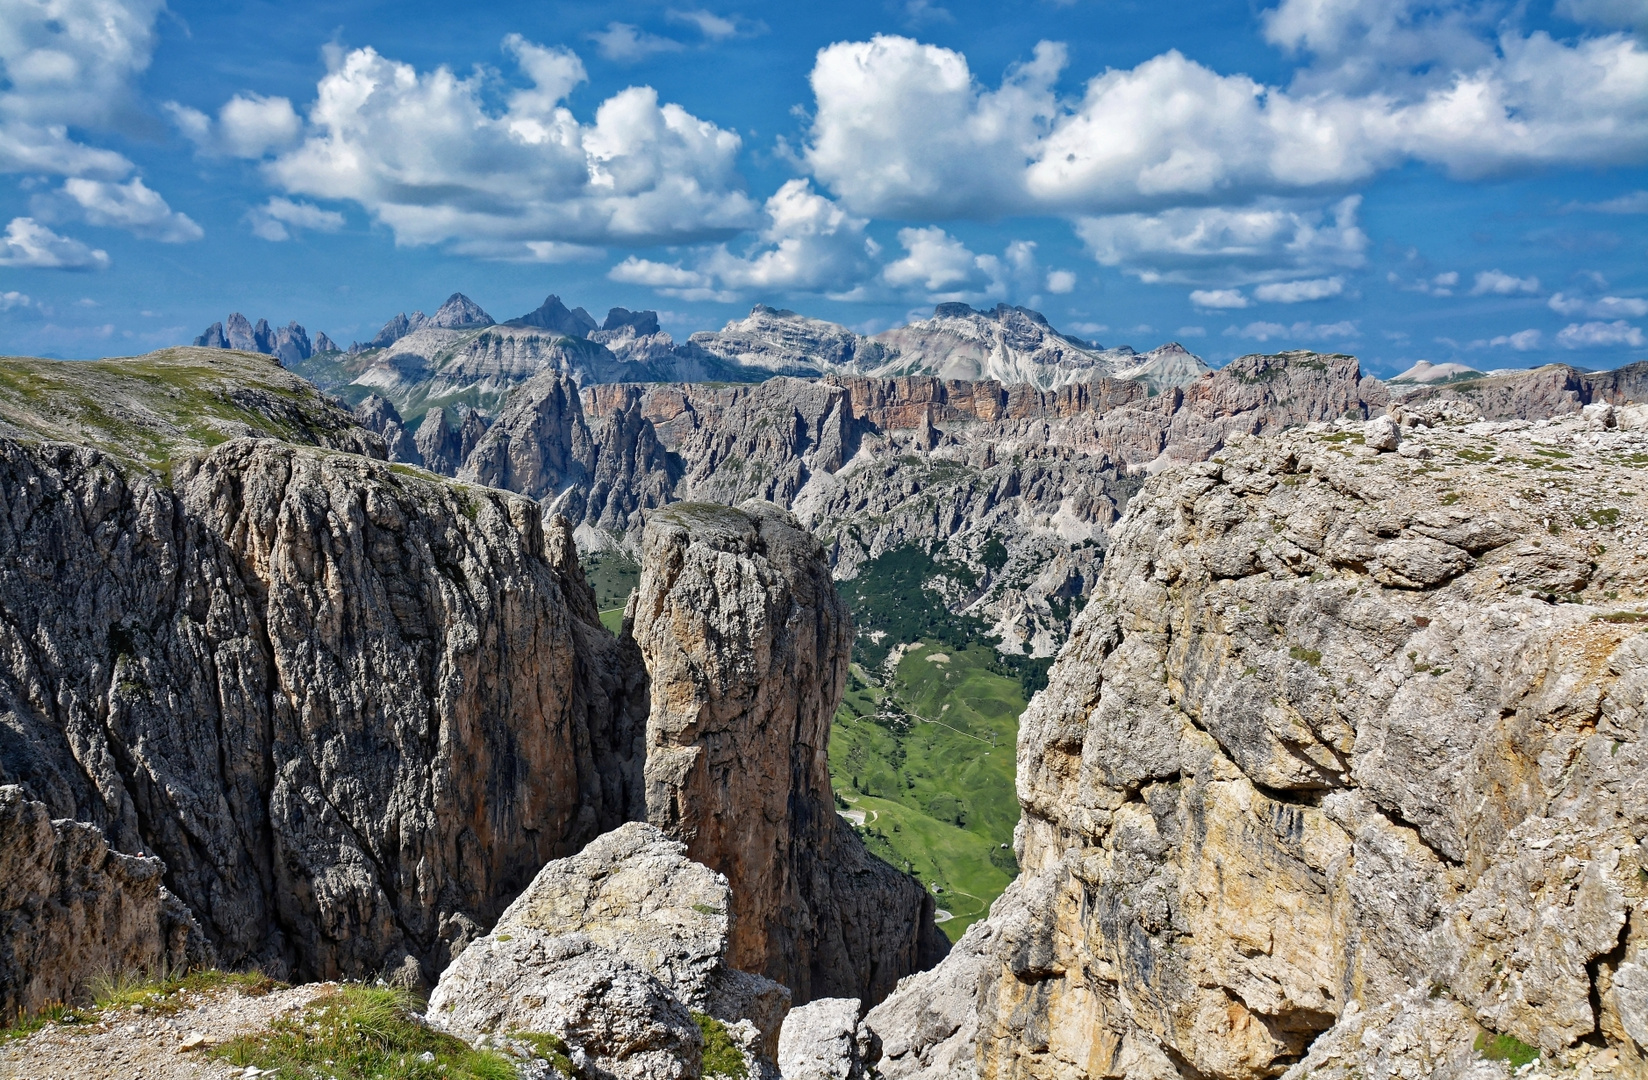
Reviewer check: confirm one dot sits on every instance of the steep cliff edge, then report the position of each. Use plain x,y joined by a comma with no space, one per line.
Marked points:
351,707
1340,775
746,643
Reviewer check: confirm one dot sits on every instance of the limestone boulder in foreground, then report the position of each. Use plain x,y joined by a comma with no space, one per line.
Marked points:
613,950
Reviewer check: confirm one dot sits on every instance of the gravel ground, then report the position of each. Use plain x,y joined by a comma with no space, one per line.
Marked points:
129,1044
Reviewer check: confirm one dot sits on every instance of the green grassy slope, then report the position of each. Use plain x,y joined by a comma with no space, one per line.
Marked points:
929,760
151,409
613,575
927,755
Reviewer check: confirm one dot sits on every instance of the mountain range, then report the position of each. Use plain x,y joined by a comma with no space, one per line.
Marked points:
461,356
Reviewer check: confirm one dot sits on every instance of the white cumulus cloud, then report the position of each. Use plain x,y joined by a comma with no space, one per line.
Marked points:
424,154
1224,245
1603,307
1219,298
1499,283
1298,292
808,244
1521,341
1060,282
905,129
13,299
28,243
1596,335
132,206
276,219
626,43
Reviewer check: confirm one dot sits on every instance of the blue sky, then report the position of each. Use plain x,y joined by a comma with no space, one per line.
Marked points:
1400,179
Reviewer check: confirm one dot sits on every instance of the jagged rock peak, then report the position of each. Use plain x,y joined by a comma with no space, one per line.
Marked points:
746,643
999,313
393,330
460,313
552,314
642,322
290,344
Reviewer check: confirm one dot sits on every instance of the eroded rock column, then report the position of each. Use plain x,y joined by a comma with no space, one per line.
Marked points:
747,645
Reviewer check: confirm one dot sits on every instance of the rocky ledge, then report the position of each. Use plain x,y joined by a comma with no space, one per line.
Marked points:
1340,775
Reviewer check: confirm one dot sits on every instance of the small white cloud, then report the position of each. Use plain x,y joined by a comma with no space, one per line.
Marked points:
276,219
1219,298
1499,283
934,262
1190,331
1296,292
13,299
718,27
625,43
1228,245
28,243
1091,329
1521,341
252,126
1597,335
1299,332
1060,282
1605,307
925,13
1439,285
1635,202
132,206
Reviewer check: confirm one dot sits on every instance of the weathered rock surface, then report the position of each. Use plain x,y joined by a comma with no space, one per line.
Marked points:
72,910
351,710
820,1041
613,950
746,644
1342,765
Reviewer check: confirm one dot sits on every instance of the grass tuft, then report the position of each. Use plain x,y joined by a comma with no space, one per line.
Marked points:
550,1048
1507,1048
364,1033
722,1056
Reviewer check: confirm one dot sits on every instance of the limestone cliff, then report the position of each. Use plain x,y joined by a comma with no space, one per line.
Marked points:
1342,768
351,710
746,643
69,905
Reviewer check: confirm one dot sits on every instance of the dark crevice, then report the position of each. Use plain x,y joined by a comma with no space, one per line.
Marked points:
1593,970
1395,818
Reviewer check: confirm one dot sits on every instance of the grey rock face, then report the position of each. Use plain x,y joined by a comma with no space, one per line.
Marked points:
290,344
213,338
377,414
539,445
746,645
71,909
820,1041
350,710
459,313
553,315
612,949
1323,780
447,436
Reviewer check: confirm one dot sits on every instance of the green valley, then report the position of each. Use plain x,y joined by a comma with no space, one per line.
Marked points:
923,750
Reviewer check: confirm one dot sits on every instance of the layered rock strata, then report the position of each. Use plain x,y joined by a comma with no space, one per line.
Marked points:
746,644
1341,769
613,950
351,710
71,909
873,464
